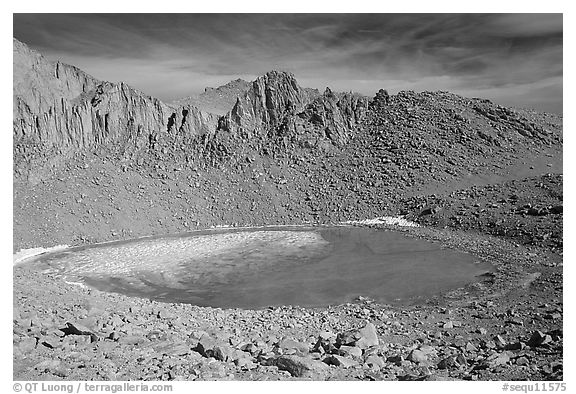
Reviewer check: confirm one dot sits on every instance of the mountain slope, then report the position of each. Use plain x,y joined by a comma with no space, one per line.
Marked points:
59,111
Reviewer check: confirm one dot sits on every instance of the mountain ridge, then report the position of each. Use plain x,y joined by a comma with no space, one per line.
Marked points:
60,111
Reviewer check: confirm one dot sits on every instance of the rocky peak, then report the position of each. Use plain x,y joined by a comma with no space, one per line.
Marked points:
271,98
38,82
381,99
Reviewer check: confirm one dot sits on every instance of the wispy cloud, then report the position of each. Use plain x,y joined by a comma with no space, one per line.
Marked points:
515,59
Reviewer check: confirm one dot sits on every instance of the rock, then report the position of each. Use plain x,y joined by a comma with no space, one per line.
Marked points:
538,338
114,336
238,354
522,361
367,337
245,363
553,316
47,365
250,348
417,356
350,351
341,361
50,341
288,343
498,359
427,350
78,329
132,339
556,334
515,321
327,336
374,361
321,346
499,341
173,348
206,345
482,331
23,322
447,363
268,359
301,366
362,338
488,344
461,360
470,347
515,346
27,344
223,353
217,370
537,211
448,325
397,359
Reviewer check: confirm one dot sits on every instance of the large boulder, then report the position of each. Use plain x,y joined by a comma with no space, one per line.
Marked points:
301,366
362,338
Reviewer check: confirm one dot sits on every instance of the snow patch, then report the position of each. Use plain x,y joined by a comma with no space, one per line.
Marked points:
388,220
80,284
25,254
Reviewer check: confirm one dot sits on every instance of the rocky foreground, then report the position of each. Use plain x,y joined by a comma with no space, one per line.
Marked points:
97,161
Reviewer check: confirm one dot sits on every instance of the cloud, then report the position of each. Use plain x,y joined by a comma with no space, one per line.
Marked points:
166,54
514,25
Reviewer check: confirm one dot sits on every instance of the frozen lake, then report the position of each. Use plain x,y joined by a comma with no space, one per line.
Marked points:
255,268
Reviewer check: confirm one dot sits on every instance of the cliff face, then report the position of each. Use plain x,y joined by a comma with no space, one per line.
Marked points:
60,110
271,99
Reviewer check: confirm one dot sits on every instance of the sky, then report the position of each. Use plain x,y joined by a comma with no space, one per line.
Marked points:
512,59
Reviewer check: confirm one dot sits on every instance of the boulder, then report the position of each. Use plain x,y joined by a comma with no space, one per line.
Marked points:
172,348
47,365
224,352
499,341
208,346
78,329
362,338
454,361
340,361
538,338
350,351
497,359
289,344
417,356
373,361
301,366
